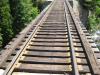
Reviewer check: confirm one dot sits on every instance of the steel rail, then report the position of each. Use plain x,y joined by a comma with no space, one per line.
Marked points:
73,57
88,50
14,61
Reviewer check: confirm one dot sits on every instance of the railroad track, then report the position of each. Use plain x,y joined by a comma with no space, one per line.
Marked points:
55,45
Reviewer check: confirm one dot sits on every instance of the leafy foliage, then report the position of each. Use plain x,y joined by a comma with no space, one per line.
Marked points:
22,12
39,4
88,4
14,16
5,22
97,11
94,18
92,23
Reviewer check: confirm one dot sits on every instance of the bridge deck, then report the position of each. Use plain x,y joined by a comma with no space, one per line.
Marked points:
55,43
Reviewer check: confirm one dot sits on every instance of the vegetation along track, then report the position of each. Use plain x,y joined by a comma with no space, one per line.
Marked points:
57,45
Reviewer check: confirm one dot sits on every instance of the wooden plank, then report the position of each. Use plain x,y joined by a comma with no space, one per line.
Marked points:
4,65
80,55
75,36
46,33
45,60
48,48
44,68
51,37
81,61
54,44
84,68
51,23
54,25
96,50
26,73
47,54
62,36
44,54
52,31
48,40
77,44
76,40
55,20
52,28
97,55
79,49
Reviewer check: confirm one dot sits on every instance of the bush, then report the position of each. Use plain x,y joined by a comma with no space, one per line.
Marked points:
94,18
89,4
14,16
39,4
5,22
23,12
92,23
97,11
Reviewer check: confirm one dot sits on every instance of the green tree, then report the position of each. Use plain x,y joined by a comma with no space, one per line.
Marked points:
35,3
93,6
92,22
39,4
89,4
5,21
22,12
